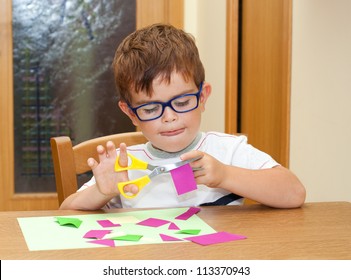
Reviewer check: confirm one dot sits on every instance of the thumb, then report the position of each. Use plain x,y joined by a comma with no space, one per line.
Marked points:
191,154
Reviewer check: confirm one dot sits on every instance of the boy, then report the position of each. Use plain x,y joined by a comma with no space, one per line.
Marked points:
161,84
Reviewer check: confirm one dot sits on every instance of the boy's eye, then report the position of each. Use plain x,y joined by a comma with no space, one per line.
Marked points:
181,102
151,108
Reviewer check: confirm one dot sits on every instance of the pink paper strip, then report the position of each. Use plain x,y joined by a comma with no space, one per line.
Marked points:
106,242
183,179
96,233
173,226
107,223
187,214
214,238
153,222
169,238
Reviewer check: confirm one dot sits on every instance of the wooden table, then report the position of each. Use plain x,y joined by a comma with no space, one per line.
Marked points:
315,231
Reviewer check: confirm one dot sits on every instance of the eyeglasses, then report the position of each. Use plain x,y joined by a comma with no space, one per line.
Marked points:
180,104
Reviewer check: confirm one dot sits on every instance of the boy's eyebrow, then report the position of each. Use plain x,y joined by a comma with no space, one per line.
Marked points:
141,102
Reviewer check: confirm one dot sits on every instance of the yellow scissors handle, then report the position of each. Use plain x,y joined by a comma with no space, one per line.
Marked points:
135,164
140,182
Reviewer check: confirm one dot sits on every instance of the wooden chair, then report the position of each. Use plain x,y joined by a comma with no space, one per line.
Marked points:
70,161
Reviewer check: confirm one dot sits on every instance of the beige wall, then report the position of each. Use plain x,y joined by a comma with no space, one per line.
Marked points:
206,20
320,150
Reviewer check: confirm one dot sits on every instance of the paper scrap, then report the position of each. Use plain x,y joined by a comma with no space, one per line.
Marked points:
214,238
107,223
187,214
128,237
183,179
106,242
189,231
67,221
169,238
98,233
153,222
173,226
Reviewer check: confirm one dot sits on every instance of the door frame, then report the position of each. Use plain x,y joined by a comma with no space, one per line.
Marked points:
148,11
266,123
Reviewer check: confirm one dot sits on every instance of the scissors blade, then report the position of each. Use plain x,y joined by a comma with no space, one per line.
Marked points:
168,167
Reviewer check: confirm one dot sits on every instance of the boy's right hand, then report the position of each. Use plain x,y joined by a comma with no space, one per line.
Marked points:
105,176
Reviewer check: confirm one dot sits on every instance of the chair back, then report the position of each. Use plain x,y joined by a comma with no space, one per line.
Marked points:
70,161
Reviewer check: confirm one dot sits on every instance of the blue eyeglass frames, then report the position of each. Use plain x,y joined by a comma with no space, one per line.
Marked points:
180,104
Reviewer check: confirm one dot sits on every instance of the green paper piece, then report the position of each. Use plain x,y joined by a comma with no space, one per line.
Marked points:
66,221
128,237
189,231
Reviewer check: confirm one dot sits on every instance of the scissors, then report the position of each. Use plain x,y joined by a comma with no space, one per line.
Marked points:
155,171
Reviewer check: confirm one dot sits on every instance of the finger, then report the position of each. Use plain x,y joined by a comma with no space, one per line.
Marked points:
199,172
123,156
92,163
101,152
111,149
131,188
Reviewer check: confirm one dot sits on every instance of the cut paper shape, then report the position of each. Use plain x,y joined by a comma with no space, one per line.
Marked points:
214,238
165,237
187,214
107,223
173,226
106,242
183,179
189,231
66,221
128,237
98,233
153,222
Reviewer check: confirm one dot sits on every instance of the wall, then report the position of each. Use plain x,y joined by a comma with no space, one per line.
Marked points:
321,98
320,144
206,20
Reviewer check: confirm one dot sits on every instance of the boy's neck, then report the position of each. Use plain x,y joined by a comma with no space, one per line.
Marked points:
163,154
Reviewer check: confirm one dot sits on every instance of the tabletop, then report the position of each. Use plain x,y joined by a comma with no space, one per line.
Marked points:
315,231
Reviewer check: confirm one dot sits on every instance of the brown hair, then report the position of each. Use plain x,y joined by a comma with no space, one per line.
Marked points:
151,52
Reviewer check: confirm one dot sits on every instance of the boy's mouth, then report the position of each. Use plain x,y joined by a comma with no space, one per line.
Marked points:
172,132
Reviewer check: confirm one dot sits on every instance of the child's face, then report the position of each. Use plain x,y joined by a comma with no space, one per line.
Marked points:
173,131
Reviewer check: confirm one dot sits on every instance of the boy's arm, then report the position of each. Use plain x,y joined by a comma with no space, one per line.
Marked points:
275,187
88,199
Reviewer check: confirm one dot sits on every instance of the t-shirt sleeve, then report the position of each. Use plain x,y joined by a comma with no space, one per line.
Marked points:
247,156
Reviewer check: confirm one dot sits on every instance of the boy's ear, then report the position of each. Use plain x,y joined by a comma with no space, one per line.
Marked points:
205,94
125,108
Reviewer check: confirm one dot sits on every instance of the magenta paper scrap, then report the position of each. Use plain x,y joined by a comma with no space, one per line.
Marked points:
107,223
187,214
98,233
153,222
169,238
183,179
214,238
106,242
173,226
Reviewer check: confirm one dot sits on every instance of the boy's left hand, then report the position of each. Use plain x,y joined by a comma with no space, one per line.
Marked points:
208,170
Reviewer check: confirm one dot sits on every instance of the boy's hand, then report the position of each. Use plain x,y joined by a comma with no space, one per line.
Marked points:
208,170
105,176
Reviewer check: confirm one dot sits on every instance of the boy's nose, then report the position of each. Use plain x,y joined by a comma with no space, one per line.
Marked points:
169,115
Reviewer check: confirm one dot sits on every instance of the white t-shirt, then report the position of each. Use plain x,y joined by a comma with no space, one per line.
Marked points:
160,192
